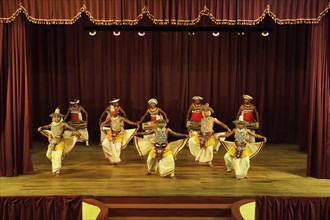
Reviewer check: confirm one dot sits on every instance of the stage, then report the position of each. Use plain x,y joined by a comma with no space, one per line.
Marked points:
278,170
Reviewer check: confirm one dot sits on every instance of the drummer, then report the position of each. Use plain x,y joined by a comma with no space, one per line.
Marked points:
78,119
114,103
155,113
249,113
153,110
194,115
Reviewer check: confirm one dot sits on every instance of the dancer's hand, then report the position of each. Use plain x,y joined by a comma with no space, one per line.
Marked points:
77,134
52,147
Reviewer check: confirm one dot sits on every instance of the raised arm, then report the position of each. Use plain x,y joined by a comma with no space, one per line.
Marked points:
123,112
228,134
222,124
146,132
86,114
142,118
42,128
256,113
189,112
176,133
130,122
164,114
257,136
239,112
105,122
102,115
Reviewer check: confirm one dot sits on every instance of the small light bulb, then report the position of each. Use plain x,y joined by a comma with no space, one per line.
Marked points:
141,34
92,33
216,34
116,33
265,33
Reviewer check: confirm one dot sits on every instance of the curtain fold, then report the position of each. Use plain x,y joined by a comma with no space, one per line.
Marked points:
318,141
15,110
41,207
292,208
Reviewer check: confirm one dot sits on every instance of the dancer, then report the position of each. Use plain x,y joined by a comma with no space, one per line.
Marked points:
59,144
202,144
117,137
247,111
161,154
155,113
153,110
77,121
241,151
194,115
115,103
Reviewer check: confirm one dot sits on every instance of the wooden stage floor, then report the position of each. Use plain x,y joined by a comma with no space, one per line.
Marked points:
278,170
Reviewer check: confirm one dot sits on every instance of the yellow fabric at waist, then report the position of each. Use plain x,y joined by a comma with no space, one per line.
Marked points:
115,136
232,151
59,146
166,152
210,141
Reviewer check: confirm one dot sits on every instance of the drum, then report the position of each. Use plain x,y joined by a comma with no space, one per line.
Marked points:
193,125
78,124
148,125
252,125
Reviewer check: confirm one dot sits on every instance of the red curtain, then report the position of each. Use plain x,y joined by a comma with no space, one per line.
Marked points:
319,101
292,208
41,207
15,106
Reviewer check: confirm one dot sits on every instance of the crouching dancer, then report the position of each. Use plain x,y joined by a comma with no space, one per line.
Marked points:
117,137
59,146
203,144
161,153
241,151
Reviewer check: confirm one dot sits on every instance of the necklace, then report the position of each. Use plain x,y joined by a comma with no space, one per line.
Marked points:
154,110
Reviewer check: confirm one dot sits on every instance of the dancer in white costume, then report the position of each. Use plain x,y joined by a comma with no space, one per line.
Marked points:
241,151
202,145
115,104
117,137
78,120
59,144
161,154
